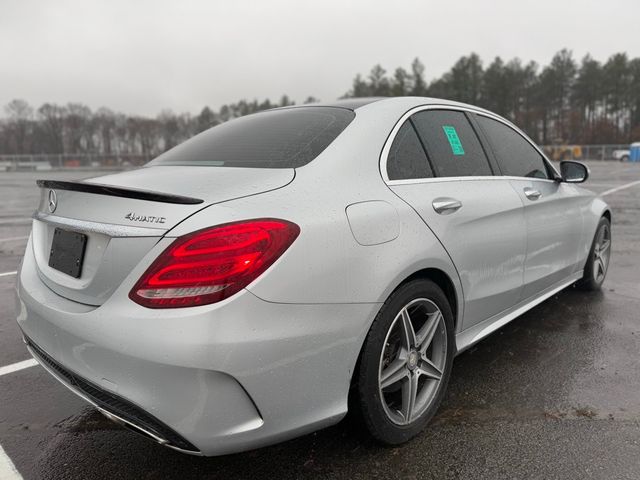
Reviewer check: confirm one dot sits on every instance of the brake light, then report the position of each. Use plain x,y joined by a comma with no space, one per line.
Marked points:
212,264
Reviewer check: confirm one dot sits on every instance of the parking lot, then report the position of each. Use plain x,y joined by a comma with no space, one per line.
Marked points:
554,394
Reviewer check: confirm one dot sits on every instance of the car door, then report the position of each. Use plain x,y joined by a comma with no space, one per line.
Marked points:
552,209
438,166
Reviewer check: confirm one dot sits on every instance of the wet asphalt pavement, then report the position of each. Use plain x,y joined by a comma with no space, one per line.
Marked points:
554,394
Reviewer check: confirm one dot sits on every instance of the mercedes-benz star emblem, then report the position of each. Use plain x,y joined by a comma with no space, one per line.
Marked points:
53,201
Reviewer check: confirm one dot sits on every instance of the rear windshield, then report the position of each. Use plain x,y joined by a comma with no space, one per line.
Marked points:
287,138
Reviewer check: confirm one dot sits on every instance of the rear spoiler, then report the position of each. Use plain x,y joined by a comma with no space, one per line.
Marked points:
118,192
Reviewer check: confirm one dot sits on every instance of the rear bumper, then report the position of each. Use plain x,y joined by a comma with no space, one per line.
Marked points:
112,406
213,380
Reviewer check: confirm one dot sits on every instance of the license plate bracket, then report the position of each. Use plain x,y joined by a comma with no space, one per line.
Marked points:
67,252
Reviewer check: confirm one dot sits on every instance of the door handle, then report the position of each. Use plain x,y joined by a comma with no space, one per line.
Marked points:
532,194
445,205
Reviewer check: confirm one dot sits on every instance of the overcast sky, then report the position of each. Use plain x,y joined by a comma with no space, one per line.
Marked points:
146,55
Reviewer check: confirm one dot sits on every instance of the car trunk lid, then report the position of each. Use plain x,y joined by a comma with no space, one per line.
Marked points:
123,215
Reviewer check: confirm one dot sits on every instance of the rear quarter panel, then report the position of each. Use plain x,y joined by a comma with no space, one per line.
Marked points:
326,264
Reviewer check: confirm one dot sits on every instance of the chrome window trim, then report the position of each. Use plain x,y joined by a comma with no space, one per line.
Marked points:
464,179
394,131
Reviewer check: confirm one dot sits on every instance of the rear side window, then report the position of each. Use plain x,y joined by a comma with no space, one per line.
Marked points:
452,145
516,156
287,138
407,159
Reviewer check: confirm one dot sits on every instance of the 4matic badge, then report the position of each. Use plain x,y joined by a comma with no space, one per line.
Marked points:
134,217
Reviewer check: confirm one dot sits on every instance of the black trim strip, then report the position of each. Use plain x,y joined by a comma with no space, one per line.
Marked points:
113,403
118,192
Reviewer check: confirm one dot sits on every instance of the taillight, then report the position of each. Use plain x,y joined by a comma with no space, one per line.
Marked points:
212,264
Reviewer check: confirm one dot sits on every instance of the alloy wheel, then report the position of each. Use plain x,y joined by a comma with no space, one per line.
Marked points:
601,253
412,361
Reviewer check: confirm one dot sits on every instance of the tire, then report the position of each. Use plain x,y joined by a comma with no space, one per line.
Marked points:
624,158
424,367
595,270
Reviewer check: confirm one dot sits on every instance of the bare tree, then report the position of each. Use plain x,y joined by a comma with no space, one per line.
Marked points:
20,116
52,117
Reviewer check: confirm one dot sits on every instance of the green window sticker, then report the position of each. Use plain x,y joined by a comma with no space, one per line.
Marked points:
454,140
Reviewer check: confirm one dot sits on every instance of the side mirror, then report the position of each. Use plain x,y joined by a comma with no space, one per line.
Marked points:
573,172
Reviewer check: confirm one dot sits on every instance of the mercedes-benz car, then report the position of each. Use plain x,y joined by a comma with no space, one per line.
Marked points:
261,279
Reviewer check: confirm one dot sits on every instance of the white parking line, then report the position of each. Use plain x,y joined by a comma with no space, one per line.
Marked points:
621,187
15,367
7,468
6,274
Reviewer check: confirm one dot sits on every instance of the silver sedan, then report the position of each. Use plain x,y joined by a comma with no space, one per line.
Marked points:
259,280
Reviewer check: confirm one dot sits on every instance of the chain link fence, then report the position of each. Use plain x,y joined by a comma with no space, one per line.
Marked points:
70,161
587,152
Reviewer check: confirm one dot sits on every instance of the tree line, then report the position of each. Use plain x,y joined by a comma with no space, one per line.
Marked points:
586,102
75,129
566,101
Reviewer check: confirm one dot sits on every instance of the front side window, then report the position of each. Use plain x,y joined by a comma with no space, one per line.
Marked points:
452,145
282,138
516,156
407,159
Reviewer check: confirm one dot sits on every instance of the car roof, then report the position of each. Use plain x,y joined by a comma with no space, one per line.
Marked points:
384,103
401,102
351,103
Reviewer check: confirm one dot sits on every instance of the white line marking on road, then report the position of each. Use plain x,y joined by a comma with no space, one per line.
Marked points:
13,239
6,274
621,187
16,367
8,470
